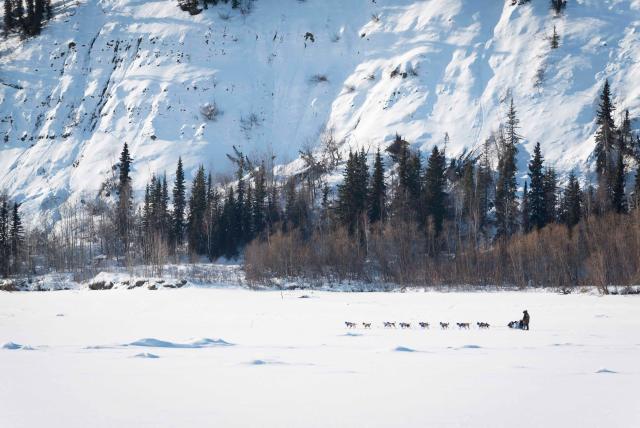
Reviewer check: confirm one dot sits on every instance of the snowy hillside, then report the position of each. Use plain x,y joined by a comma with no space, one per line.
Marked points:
112,71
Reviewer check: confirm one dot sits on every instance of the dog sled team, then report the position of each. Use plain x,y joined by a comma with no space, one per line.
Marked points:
522,324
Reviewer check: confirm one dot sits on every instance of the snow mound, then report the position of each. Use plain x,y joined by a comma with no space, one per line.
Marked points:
352,334
606,371
471,347
404,349
557,345
200,343
14,346
259,362
11,345
146,355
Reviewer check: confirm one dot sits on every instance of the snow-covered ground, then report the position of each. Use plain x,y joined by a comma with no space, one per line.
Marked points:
105,72
234,357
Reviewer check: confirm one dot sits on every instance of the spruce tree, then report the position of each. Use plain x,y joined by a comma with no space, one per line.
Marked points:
18,10
435,189
407,195
605,147
9,20
124,168
247,216
259,200
469,192
484,185
243,204
197,208
213,222
179,205
558,5
153,204
626,134
413,177
29,21
525,209
274,211
506,202
165,217
5,246
511,128
157,206
20,21
38,16
125,197
232,225
378,191
618,197
228,226
571,210
16,237
237,223
352,193
551,195
536,196
146,210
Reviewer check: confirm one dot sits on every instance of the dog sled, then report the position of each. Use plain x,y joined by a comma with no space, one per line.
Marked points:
518,325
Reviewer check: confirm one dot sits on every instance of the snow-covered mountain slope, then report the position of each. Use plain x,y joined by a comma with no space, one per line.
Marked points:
109,71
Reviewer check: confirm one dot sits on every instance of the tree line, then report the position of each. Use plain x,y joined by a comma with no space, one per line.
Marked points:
194,6
464,220
398,218
26,17
11,237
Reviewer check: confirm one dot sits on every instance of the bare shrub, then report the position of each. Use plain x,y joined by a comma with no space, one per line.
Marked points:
210,111
333,254
540,76
330,149
247,7
318,78
247,123
599,251
412,70
349,89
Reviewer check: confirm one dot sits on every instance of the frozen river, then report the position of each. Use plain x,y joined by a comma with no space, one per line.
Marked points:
232,357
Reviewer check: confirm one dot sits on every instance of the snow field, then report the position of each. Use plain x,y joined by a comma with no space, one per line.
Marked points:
233,357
